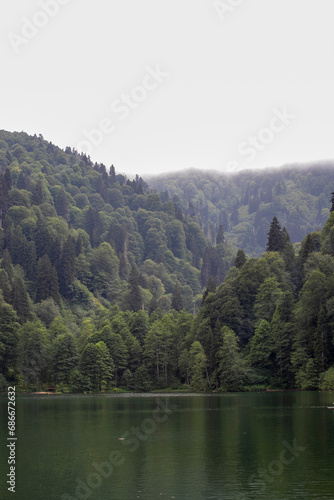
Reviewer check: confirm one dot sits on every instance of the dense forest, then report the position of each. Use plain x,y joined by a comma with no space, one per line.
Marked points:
246,202
106,283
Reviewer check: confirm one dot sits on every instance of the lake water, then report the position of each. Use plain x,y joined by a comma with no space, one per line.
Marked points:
277,445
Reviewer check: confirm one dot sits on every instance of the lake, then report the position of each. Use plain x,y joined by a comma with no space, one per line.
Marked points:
240,446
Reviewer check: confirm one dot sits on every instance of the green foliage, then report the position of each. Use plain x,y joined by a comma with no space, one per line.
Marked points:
283,330
232,370
33,353
307,377
196,365
327,380
47,310
20,299
146,290
177,302
262,347
3,383
64,357
66,274
9,337
159,349
275,237
266,299
97,365
46,281
240,259
78,381
134,297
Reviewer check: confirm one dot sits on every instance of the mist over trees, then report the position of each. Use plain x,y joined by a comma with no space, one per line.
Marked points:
245,203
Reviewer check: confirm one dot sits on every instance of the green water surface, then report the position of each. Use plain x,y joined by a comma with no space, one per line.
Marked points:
271,446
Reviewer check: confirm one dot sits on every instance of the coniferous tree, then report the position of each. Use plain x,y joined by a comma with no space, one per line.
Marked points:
124,266
178,213
232,370
332,202
97,365
3,197
117,348
309,244
94,226
210,288
6,264
152,305
206,266
9,327
177,302
283,331
37,194
5,286
323,345
140,189
197,367
3,161
223,219
289,253
112,175
195,253
8,179
240,259
42,239
275,241
15,244
266,299
235,216
262,349
66,274
30,261
220,236
64,356
134,299
33,352
62,204
23,181
46,281
139,325
20,299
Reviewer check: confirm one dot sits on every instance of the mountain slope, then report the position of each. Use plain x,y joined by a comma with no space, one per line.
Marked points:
86,237
246,202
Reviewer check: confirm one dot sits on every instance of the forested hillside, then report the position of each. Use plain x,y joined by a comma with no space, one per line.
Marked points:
77,237
245,203
106,284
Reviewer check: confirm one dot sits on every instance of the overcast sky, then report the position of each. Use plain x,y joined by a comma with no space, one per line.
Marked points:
159,85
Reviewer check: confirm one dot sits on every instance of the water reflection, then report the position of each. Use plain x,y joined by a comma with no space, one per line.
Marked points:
231,446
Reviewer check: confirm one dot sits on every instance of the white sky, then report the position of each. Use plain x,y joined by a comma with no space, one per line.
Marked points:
226,76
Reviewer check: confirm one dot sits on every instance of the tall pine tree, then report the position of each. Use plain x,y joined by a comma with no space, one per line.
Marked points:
66,273
275,237
177,302
46,281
